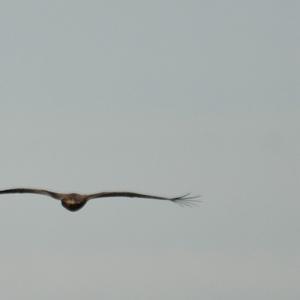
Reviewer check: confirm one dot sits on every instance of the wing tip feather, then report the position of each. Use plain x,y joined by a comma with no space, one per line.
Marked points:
187,200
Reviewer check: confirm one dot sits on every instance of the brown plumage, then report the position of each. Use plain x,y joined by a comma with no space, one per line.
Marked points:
74,202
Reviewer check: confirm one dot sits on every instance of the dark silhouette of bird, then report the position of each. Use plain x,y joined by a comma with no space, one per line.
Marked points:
74,202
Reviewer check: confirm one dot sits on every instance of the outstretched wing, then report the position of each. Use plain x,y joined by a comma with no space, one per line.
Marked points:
182,200
32,191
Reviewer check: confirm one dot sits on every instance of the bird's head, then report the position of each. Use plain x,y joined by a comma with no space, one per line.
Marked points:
73,205
73,202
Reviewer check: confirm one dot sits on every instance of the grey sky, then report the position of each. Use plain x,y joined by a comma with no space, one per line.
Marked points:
162,97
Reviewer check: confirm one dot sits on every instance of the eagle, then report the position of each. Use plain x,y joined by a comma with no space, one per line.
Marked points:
74,202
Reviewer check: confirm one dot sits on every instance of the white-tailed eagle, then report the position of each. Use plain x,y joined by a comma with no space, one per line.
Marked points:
74,202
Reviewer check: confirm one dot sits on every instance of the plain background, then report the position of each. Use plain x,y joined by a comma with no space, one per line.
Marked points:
162,97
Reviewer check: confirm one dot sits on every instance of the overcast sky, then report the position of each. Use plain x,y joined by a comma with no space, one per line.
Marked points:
162,97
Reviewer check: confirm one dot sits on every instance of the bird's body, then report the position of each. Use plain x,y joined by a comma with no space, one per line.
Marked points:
74,201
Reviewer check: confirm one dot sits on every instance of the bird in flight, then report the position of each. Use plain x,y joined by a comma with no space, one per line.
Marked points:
74,202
